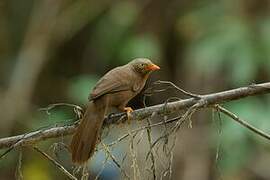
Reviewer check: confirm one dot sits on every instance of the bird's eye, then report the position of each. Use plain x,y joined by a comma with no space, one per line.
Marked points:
142,65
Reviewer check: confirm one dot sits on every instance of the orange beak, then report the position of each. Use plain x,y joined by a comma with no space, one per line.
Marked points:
152,67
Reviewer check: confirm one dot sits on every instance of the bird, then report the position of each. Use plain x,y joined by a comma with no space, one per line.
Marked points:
114,90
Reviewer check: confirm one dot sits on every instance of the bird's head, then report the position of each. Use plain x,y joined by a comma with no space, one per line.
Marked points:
143,66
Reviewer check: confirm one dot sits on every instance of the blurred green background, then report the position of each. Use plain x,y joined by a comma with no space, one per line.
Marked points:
54,51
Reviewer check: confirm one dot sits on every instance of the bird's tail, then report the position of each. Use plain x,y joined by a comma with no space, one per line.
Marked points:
84,140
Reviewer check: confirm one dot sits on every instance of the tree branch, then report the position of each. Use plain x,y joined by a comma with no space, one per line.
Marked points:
242,122
161,109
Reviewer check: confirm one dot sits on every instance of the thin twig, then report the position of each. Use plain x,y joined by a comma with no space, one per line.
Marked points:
85,174
149,137
19,175
180,121
58,165
102,168
77,109
243,123
134,164
196,96
218,148
107,150
219,127
144,128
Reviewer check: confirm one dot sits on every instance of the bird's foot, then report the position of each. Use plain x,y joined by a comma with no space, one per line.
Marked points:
128,110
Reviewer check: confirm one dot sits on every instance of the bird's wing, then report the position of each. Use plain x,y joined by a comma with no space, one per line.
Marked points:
114,81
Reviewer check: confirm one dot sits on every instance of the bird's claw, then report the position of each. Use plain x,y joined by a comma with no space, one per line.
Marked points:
128,110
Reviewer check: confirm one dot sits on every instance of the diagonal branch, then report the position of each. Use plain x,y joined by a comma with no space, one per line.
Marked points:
161,109
57,164
243,123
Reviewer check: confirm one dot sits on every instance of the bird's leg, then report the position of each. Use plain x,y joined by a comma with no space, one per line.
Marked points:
128,110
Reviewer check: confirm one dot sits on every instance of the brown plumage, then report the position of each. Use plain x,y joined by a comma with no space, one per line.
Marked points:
114,89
